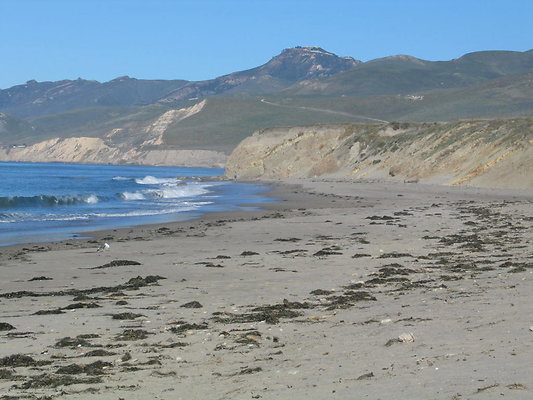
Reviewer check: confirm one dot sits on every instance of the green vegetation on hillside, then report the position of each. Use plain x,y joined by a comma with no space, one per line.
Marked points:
490,84
224,122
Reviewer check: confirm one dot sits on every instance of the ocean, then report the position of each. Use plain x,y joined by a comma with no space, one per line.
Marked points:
44,202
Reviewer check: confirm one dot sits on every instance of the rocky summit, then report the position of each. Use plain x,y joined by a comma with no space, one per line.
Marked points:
293,65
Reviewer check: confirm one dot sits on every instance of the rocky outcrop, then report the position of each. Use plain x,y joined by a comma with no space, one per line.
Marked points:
489,153
291,66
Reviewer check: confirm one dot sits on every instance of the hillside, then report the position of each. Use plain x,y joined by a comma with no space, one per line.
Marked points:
300,86
34,99
291,66
508,96
405,74
490,153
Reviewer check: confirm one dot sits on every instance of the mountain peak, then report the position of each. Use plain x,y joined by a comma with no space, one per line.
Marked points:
307,49
292,65
307,62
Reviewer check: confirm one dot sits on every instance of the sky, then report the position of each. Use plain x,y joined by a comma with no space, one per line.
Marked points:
49,40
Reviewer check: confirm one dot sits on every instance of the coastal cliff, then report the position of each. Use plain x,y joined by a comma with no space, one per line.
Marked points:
485,153
97,151
136,143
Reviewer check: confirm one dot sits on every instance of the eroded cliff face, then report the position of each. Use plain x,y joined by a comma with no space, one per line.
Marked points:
135,144
488,153
97,151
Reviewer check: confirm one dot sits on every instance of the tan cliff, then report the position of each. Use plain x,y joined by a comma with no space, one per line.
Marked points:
487,153
97,151
143,145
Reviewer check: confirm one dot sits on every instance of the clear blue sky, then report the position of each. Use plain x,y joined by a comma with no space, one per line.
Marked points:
202,39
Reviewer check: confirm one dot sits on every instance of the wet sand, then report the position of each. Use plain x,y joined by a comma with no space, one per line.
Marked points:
340,290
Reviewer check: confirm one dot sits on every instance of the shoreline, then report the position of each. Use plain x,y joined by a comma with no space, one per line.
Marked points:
372,289
279,190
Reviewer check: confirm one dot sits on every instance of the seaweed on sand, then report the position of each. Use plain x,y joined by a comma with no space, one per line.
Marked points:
21,360
53,381
95,368
133,334
133,284
271,314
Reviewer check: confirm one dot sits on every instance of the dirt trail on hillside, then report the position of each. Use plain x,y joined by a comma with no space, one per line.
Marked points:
323,110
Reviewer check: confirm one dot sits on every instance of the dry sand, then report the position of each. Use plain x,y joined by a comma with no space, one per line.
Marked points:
339,291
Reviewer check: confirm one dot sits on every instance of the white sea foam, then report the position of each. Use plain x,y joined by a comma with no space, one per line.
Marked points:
145,212
132,196
120,178
152,180
176,192
91,199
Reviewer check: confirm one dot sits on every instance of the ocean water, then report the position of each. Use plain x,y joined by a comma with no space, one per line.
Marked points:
43,202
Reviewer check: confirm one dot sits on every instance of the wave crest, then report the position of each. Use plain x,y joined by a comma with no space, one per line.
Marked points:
46,200
152,180
132,196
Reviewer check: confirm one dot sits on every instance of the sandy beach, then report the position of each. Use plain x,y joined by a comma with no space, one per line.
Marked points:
340,290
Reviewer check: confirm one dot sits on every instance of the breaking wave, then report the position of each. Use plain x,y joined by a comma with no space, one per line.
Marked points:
132,196
152,180
167,191
46,200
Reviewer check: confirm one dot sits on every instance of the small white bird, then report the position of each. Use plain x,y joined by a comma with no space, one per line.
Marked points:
103,247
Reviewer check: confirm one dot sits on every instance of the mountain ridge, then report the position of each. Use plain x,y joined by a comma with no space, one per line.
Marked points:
329,89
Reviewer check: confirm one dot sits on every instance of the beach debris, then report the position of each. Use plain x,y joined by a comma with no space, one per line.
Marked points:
328,251
381,218
126,315
365,376
21,360
117,263
133,334
251,338
209,264
516,386
249,253
361,255
78,341
75,306
248,370
132,284
192,304
53,381
408,337
531,328
4,326
95,368
395,254
39,278
403,338
8,375
140,281
321,292
347,299
271,314
183,326
49,312
98,353
103,247
292,240
482,389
